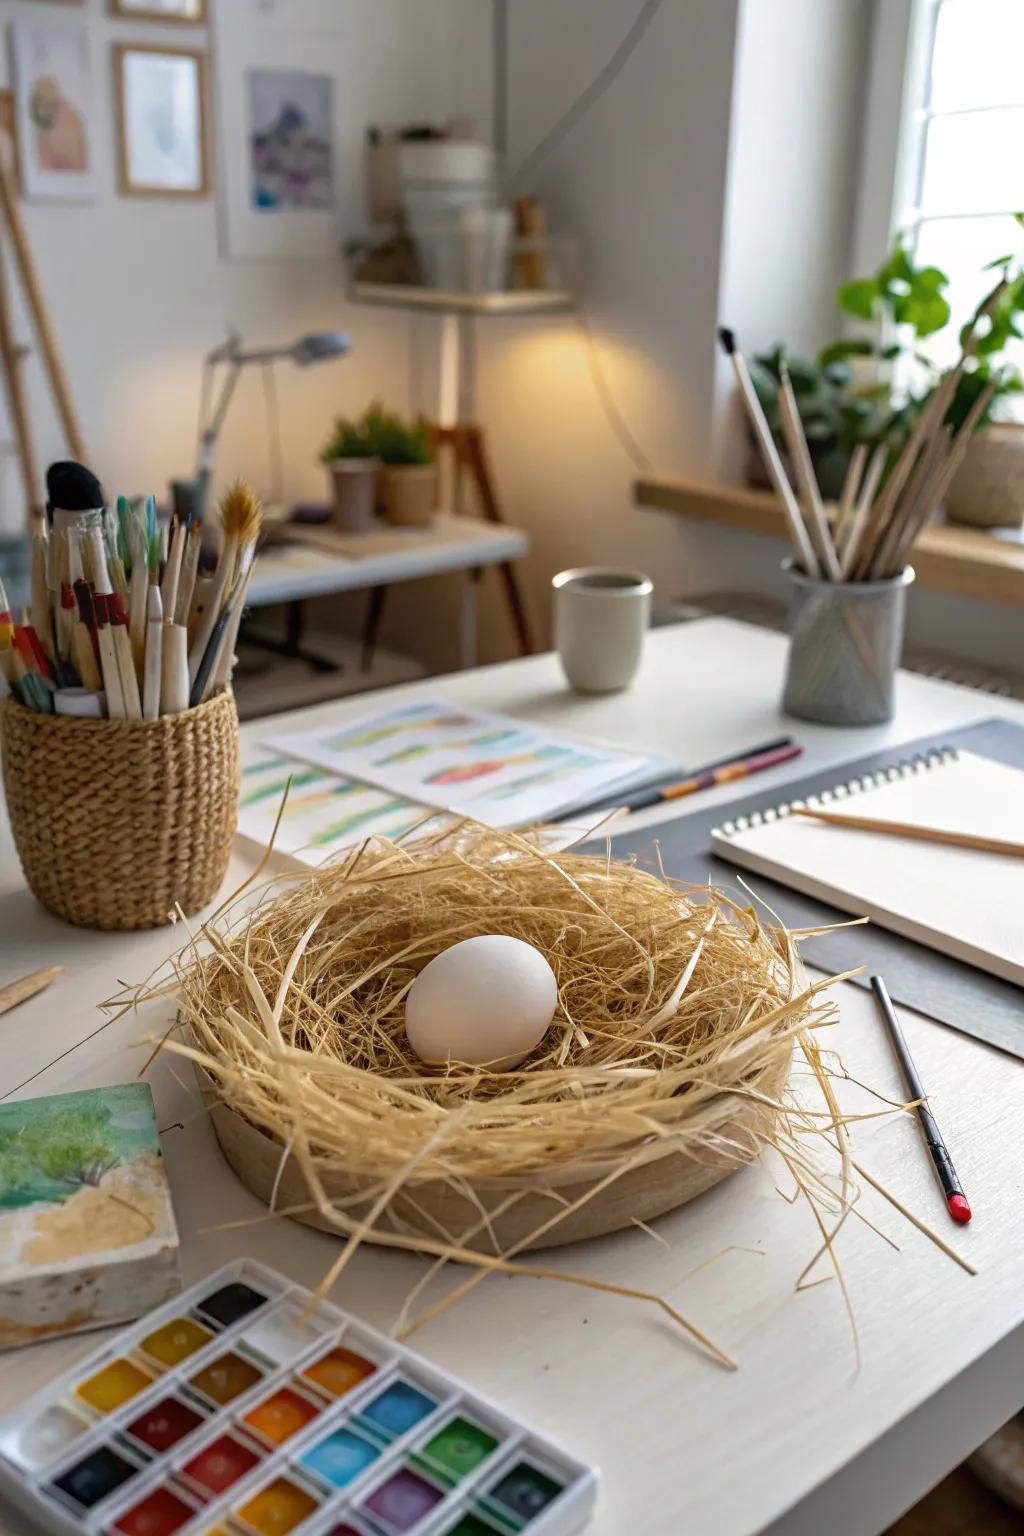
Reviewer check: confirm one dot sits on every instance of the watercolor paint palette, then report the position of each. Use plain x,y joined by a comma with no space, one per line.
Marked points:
232,1412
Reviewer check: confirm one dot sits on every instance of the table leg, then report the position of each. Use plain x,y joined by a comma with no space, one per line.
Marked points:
468,626
291,646
371,627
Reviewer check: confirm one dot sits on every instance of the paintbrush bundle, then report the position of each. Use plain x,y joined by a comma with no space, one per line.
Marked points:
122,625
885,501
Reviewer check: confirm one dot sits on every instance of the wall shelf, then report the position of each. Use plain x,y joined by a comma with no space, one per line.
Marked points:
969,562
510,301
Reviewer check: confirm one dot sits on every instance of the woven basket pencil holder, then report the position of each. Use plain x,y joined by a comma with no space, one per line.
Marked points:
117,822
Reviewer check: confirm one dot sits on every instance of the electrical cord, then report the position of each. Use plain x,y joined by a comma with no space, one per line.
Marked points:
551,140
614,417
586,99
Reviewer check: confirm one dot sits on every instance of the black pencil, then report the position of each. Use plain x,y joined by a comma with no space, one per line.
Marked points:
956,1200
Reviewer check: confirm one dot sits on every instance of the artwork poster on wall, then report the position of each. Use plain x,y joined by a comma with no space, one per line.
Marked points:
291,140
279,140
54,109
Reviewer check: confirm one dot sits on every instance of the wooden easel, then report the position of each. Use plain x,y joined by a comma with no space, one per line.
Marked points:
12,356
466,442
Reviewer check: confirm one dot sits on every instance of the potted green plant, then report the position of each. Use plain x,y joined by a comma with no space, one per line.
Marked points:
988,488
408,476
352,465
871,389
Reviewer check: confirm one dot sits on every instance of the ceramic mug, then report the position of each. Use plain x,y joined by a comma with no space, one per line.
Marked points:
601,617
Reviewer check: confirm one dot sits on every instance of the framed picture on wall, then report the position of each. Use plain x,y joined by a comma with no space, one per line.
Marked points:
162,148
192,11
285,161
54,111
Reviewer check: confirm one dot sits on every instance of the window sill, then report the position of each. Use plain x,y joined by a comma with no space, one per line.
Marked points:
969,562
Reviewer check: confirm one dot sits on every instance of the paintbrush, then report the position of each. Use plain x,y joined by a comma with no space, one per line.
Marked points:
40,593
139,587
794,518
71,489
189,570
126,673
800,457
84,657
928,423
861,510
225,661
848,495
154,654
172,571
934,492
108,658
241,517
174,670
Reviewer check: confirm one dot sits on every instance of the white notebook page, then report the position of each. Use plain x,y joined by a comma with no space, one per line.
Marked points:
968,904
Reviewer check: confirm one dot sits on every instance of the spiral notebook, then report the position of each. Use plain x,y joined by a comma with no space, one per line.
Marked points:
965,903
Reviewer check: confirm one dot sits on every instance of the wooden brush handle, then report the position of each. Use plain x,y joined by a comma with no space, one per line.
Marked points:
27,986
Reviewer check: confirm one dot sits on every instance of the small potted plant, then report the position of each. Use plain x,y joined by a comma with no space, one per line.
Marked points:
408,477
988,488
352,465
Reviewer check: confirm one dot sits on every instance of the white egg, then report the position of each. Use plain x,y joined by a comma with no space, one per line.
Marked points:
488,999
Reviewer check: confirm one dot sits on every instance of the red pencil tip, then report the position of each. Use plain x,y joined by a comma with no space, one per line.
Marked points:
959,1209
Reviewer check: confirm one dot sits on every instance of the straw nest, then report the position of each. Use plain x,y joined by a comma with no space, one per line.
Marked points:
663,1070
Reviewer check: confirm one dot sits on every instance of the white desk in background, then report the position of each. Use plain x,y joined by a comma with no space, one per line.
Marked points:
798,1441
292,572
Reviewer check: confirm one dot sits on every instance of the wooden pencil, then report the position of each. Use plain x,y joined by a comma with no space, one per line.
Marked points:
914,833
934,495
848,496
926,425
800,457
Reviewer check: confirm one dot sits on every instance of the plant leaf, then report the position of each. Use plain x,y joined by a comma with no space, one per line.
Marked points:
859,297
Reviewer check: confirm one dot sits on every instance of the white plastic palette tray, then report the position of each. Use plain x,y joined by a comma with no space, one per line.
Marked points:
229,1413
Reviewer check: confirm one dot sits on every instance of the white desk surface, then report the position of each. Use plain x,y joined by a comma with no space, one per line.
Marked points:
288,571
797,1441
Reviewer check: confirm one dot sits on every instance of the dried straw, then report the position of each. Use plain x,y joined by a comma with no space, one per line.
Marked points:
676,1009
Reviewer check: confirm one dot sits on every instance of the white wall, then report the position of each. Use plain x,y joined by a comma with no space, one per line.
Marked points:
138,290
713,181
641,184
794,152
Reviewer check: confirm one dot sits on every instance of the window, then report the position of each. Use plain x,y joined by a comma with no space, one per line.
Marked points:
963,149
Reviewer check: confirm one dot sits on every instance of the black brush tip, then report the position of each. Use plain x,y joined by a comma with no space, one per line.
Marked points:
72,488
727,338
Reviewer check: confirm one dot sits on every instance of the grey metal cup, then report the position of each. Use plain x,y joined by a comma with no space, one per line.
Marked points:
846,638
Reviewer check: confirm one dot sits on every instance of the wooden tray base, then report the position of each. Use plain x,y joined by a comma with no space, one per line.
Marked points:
434,1208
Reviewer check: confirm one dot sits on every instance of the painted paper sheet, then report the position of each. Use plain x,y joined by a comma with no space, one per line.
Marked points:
499,770
324,813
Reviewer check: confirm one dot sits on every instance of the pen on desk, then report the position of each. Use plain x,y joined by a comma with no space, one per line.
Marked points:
653,794
956,1200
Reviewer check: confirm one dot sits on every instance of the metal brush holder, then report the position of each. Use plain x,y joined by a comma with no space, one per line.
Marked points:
845,644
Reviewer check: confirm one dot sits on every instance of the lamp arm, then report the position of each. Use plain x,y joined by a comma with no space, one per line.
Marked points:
208,436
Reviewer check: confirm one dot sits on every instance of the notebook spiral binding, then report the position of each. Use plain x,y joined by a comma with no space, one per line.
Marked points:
922,762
